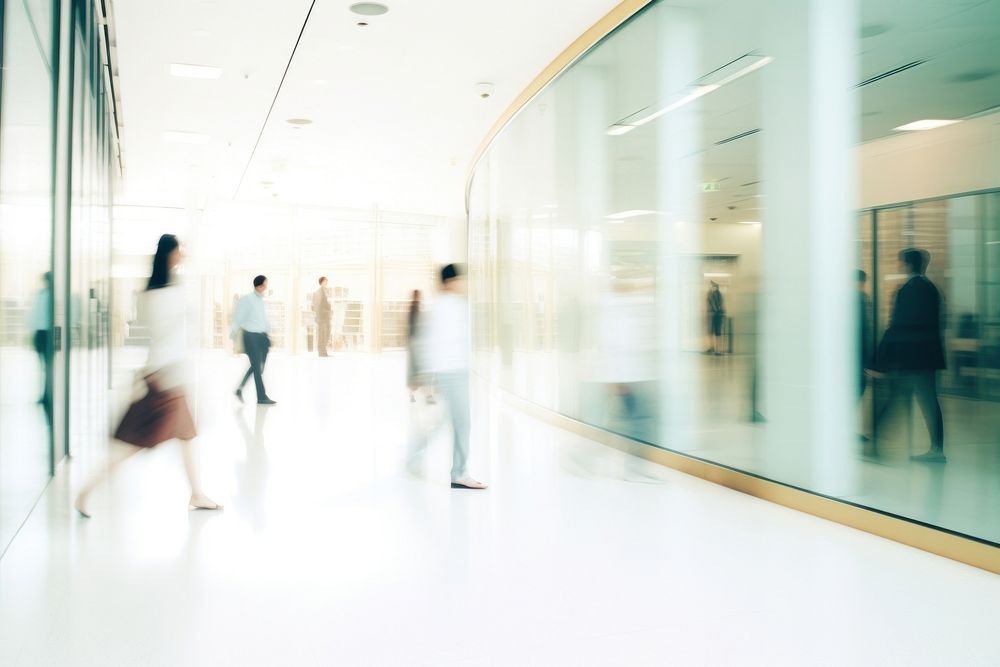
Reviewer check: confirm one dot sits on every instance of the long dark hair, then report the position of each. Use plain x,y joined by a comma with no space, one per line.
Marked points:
414,313
161,266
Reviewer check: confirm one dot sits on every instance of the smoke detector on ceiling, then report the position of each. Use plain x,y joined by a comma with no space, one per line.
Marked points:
484,89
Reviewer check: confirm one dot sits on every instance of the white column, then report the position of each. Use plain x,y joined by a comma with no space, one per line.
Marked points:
679,135
808,332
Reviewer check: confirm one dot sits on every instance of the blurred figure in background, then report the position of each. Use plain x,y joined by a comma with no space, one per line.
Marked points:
250,321
912,351
414,351
864,331
41,325
447,358
321,307
716,317
628,353
163,413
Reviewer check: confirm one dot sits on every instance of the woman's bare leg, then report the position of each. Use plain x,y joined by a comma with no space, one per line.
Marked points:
118,455
198,498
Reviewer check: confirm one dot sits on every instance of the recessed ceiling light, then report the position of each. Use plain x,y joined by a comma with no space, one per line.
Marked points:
177,137
631,213
195,71
299,121
369,8
926,124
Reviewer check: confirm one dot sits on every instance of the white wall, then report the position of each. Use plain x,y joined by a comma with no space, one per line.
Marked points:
934,163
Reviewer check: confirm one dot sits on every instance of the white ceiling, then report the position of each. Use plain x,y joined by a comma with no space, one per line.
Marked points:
395,113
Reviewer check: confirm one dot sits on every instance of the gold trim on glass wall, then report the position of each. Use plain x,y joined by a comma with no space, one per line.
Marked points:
933,540
617,16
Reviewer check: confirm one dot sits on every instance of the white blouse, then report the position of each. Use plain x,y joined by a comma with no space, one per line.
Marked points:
163,311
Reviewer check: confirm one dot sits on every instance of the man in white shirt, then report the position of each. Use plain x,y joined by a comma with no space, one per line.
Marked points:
250,321
448,360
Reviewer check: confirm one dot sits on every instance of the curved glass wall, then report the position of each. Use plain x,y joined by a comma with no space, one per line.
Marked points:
666,243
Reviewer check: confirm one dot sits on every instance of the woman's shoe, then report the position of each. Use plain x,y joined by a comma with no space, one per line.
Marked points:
467,483
203,503
81,507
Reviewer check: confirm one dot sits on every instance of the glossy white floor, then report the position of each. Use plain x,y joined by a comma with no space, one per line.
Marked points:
329,554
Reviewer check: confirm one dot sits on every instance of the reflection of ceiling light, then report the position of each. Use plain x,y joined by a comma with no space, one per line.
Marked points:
195,71
631,213
734,70
926,124
749,222
703,86
717,275
618,129
176,137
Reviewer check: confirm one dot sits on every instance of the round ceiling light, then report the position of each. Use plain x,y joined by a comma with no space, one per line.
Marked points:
369,8
299,121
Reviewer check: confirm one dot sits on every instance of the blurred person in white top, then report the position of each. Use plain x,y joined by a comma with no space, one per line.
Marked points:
445,355
163,413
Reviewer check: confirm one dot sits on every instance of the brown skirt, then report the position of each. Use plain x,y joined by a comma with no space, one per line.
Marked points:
157,417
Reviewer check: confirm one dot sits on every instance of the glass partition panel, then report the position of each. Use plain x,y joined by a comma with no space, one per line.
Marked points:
26,293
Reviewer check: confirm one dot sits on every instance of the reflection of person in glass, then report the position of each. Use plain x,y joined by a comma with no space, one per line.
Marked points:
864,331
163,413
716,315
41,325
250,321
321,308
911,350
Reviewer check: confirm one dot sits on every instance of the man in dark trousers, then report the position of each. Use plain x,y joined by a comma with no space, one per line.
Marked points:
912,352
321,307
250,321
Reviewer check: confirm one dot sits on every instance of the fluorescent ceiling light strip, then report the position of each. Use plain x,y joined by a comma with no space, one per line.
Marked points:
926,124
687,99
195,71
702,87
758,62
631,213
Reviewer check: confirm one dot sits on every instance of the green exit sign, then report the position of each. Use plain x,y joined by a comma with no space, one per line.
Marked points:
711,187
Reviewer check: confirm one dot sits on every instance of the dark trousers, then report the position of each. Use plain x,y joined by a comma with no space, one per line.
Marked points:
902,387
41,343
256,346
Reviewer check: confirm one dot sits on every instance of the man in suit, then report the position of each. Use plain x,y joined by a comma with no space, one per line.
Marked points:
250,321
321,307
912,352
